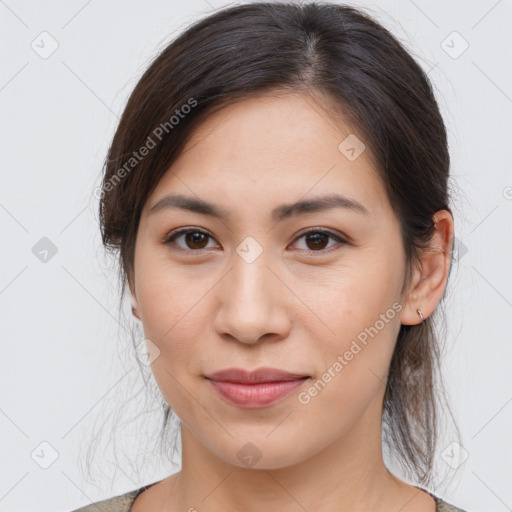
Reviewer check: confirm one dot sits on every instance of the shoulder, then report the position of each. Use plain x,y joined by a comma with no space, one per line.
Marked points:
442,506
121,503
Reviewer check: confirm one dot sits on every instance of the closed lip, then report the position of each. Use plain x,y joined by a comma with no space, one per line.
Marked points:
259,375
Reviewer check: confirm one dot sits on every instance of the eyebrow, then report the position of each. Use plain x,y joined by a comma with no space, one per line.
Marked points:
317,204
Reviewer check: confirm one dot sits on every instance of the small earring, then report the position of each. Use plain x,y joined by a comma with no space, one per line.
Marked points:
420,314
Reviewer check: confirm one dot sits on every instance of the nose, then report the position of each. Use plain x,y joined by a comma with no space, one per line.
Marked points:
253,303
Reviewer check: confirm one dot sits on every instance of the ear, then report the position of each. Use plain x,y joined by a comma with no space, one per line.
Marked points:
429,280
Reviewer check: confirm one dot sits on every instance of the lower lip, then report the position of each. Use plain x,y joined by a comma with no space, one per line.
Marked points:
253,396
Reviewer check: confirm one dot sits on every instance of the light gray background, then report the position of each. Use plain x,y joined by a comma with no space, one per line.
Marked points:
60,364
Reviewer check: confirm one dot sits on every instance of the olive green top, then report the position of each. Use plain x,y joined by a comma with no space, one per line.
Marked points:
123,503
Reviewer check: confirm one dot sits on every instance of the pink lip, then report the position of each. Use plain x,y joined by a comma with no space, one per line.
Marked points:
258,388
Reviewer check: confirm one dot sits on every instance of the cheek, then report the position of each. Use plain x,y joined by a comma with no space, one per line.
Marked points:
346,304
170,300
174,321
173,311
362,313
354,369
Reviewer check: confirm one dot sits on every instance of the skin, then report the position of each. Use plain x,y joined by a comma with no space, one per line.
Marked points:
291,309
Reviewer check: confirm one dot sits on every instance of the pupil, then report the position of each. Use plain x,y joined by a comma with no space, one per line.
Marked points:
317,238
195,238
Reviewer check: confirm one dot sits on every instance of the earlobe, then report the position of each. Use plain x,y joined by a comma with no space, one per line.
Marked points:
432,275
414,311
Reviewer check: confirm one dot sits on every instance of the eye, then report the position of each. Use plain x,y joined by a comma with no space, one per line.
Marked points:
316,239
196,240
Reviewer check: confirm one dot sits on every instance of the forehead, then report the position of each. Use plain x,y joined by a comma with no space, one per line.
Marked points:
283,145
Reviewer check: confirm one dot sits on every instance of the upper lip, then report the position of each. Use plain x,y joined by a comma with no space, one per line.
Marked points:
255,376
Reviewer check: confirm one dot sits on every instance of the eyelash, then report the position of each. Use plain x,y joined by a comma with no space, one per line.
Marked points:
172,237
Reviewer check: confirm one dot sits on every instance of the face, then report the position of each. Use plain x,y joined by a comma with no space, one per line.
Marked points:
312,291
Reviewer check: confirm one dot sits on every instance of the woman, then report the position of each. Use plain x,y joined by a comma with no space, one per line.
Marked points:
277,191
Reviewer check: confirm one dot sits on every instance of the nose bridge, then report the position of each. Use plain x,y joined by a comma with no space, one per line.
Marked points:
250,306
250,284
250,267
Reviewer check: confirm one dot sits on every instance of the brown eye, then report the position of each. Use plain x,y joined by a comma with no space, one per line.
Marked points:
193,239
196,240
318,240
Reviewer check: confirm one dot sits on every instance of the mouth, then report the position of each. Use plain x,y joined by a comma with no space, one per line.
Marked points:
255,389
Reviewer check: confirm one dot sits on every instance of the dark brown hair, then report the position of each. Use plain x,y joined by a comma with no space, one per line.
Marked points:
371,81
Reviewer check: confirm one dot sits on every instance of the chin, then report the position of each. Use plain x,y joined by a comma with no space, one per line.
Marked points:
260,452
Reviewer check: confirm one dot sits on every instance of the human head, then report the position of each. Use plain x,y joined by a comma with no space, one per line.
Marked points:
365,82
